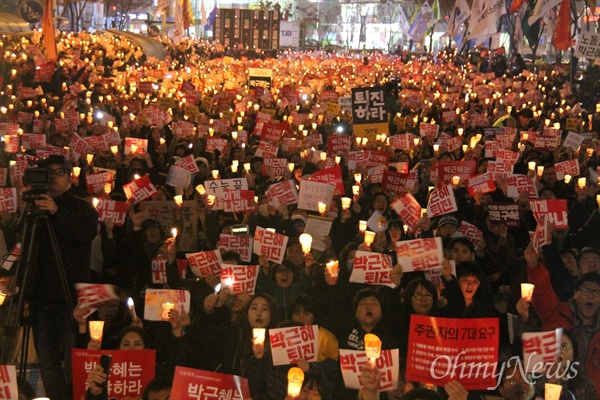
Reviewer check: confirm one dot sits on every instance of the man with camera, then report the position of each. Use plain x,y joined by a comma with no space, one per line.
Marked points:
74,222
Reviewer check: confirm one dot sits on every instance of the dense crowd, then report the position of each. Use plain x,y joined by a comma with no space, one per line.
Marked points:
106,87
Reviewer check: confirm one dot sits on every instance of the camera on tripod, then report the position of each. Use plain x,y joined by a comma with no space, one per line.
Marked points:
39,180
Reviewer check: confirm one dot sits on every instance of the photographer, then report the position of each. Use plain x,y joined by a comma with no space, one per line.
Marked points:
74,222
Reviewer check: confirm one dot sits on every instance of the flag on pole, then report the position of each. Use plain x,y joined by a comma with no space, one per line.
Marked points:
203,13
188,14
531,32
403,21
48,31
211,19
516,5
542,7
460,13
562,32
484,19
423,20
178,28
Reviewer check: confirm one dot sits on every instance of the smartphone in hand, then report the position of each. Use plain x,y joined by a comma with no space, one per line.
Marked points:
105,361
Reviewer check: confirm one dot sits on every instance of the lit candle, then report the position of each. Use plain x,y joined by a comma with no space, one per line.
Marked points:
338,159
295,380
372,347
531,165
356,190
107,188
357,177
552,391
258,335
369,238
247,166
96,329
362,226
333,268
460,131
89,158
291,166
200,189
305,242
455,180
581,182
76,171
166,309
210,200
527,290
215,174
567,178
346,201
436,147
322,208
540,170
131,306
2,298
557,125
114,149
95,202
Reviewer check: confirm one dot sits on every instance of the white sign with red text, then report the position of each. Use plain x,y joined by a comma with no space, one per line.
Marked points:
269,243
290,345
240,278
352,361
420,254
372,269
205,264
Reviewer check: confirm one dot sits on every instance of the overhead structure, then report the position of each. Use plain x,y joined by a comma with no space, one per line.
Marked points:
151,47
13,25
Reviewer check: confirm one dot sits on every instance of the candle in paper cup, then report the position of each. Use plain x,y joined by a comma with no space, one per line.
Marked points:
540,170
369,237
581,182
166,308
525,136
531,165
436,147
291,166
295,380
355,190
210,199
455,180
372,347
567,178
89,158
322,208
258,335
557,125
247,166
107,188
362,226
200,189
178,199
306,242
2,298
527,290
323,156
332,267
357,177
215,174
76,171
460,131
346,202
338,159
96,329
234,168
114,149
229,282
552,391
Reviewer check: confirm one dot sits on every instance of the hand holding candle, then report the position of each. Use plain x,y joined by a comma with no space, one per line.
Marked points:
295,380
527,290
131,307
372,347
369,238
258,335
96,330
306,242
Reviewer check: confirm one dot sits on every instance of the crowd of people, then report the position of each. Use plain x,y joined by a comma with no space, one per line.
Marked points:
106,86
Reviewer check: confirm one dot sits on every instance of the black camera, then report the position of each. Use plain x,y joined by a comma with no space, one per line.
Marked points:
38,179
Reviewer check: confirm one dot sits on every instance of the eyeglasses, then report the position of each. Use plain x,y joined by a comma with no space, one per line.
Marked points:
423,295
58,171
589,292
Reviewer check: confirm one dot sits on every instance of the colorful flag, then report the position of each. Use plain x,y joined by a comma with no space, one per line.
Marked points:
562,33
211,19
542,7
460,13
484,18
516,5
403,21
423,20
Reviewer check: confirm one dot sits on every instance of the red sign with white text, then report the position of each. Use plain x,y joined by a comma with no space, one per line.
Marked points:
195,384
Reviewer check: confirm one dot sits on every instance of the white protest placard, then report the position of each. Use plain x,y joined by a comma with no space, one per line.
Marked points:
470,231
178,177
518,183
372,269
188,163
408,209
94,295
377,222
541,348
217,188
269,243
240,278
33,141
588,45
205,263
542,235
313,193
266,150
441,201
290,345
282,193
420,254
8,382
240,244
569,167
318,227
573,140
157,300
8,200
352,361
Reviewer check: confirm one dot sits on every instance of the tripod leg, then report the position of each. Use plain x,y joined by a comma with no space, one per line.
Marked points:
60,266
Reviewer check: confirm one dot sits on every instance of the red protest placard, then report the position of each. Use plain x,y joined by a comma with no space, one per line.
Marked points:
570,167
113,210
463,169
195,384
8,200
408,209
269,243
482,183
400,184
282,193
205,263
8,382
289,345
420,254
188,163
372,269
240,244
140,189
95,182
541,348
471,232
272,133
555,211
238,201
332,176
240,278
94,295
130,371
441,201
338,144
505,213
352,361
444,349
44,72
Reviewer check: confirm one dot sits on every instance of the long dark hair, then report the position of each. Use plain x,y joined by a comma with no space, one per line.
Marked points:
411,289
